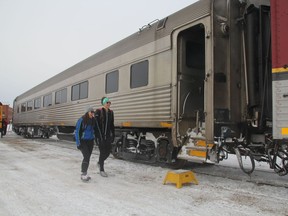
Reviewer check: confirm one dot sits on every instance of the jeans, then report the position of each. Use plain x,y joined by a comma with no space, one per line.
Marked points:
86,149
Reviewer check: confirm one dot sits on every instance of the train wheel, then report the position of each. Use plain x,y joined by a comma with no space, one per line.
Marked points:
162,150
117,149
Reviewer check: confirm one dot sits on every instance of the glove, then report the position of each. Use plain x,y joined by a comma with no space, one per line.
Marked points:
79,146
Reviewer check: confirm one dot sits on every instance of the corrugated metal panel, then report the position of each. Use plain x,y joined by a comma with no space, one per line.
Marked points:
150,106
66,115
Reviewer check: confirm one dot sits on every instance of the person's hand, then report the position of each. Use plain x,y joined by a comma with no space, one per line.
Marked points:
79,146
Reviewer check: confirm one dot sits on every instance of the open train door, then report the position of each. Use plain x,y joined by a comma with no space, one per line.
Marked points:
194,89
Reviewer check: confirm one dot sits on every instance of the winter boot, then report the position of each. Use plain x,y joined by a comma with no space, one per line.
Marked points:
103,174
85,177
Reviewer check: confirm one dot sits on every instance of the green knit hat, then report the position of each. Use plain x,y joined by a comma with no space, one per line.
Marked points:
105,100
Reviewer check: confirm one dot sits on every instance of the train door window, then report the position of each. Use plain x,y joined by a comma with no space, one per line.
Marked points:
112,82
37,103
18,109
23,107
61,96
195,57
139,74
29,105
80,91
47,100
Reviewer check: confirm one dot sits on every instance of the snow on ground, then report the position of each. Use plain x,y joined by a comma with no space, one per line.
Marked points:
42,177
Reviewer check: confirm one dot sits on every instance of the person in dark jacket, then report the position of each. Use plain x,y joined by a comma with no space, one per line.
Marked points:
85,136
105,132
3,130
4,126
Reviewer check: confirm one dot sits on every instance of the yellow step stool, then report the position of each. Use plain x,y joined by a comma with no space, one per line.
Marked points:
180,178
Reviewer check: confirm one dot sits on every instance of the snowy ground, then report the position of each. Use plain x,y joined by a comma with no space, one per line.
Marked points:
41,177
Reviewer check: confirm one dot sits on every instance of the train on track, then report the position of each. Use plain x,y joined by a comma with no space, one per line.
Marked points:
197,85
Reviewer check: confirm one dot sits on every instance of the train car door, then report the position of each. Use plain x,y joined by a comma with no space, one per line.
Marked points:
194,81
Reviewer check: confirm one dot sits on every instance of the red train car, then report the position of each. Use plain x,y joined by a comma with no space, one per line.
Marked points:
279,34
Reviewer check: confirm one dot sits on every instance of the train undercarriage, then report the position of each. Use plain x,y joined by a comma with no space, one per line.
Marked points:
154,146
151,146
35,131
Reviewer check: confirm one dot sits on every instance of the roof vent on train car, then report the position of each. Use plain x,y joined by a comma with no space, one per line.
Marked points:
148,26
161,24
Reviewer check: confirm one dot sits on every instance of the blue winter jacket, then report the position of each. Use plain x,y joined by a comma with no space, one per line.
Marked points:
83,132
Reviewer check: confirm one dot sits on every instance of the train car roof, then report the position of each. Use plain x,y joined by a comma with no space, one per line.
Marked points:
140,38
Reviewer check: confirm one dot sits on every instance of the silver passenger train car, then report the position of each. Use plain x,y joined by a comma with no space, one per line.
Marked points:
180,86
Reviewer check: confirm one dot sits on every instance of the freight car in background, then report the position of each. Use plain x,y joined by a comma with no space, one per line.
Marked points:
5,118
7,112
194,86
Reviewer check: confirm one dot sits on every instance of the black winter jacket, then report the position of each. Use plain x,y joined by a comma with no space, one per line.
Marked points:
104,124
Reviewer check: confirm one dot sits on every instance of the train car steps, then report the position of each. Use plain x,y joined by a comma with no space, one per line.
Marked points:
180,177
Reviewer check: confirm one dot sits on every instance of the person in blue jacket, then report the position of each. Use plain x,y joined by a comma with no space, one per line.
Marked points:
85,136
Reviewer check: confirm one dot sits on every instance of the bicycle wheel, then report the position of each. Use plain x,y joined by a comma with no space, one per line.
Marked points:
245,160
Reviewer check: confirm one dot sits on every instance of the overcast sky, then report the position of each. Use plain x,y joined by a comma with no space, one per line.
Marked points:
41,38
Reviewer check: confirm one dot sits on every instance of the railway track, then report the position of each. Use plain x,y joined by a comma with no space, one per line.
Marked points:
226,169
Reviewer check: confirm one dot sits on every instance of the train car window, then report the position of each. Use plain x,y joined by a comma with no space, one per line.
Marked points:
112,82
80,91
18,109
61,96
84,90
139,74
75,92
47,100
29,105
37,103
23,107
